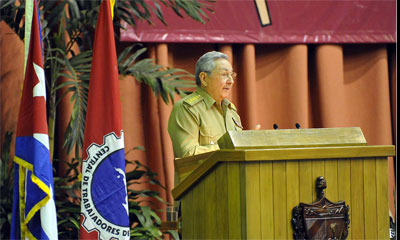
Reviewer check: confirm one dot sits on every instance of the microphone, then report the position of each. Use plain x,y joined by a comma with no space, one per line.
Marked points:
275,126
297,125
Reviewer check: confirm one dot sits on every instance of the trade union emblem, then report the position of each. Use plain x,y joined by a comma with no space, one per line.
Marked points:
104,198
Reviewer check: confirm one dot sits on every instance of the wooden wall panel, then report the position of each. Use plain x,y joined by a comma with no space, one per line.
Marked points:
382,197
210,201
344,188
187,216
234,201
306,182
267,201
221,208
331,176
253,200
199,218
370,213
357,199
280,216
292,192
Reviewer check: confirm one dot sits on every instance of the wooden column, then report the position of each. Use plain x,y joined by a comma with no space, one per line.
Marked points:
154,156
164,111
227,49
247,82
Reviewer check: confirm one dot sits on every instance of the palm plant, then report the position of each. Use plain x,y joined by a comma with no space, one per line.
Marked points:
68,32
70,23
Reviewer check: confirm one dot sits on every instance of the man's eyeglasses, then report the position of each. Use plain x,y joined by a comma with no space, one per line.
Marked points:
226,75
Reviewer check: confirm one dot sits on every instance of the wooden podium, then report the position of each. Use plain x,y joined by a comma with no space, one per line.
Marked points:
247,190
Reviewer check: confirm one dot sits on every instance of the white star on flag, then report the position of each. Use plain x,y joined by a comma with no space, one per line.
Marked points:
40,89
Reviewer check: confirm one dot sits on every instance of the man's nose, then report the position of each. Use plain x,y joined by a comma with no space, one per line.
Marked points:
230,80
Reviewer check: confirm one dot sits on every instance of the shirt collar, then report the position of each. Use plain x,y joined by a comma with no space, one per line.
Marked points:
210,101
228,104
207,98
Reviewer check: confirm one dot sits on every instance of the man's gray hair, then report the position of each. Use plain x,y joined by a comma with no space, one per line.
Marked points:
206,63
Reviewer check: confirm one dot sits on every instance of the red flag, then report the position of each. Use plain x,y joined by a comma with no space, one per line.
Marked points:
104,202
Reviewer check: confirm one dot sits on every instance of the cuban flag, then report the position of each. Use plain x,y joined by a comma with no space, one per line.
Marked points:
34,211
104,201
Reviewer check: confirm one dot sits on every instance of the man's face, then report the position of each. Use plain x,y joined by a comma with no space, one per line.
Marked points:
220,81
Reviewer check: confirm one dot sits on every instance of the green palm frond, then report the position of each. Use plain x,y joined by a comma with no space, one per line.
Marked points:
79,73
191,8
75,130
164,82
139,10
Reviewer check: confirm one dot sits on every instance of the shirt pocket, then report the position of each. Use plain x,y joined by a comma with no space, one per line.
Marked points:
208,136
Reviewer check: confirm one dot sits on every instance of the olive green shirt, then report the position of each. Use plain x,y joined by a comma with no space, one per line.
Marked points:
196,124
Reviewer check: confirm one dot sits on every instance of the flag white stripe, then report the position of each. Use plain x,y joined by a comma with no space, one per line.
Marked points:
48,217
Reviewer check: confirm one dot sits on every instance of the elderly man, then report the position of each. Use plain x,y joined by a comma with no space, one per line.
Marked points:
198,120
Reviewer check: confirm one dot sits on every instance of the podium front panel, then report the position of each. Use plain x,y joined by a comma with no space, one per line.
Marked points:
254,199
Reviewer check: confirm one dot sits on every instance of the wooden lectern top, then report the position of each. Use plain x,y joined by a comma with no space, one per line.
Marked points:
289,138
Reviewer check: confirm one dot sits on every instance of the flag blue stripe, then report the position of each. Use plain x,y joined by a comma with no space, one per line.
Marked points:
35,228
35,153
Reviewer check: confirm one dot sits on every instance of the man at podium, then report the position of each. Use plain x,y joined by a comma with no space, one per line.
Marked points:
198,120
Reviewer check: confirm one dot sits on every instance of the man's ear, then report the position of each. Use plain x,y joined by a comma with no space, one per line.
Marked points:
203,77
